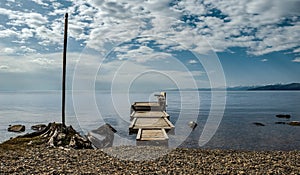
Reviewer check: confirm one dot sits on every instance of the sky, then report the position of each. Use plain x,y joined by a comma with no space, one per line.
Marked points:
151,44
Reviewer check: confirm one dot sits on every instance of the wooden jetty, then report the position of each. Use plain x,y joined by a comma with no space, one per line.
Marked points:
150,121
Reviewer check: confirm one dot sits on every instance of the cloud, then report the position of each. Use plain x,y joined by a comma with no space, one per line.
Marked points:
296,60
142,54
264,60
40,2
4,67
8,51
124,74
261,27
193,61
35,62
255,25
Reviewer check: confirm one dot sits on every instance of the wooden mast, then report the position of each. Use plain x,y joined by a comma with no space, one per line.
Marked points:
64,70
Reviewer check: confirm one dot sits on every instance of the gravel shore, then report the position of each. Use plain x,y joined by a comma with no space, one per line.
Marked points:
134,160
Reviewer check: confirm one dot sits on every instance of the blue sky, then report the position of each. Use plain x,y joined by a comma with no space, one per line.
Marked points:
165,42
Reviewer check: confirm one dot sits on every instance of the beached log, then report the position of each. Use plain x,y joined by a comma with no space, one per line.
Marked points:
54,135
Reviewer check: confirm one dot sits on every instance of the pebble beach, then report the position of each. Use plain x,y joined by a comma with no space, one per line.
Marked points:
134,160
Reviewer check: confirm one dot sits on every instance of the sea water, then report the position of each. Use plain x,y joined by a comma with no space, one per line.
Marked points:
86,111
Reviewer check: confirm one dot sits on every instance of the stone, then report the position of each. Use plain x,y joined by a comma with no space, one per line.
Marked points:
16,128
193,124
259,124
38,127
103,137
280,123
283,116
294,123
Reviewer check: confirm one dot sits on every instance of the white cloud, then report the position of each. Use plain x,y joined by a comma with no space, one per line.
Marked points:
142,54
297,50
296,60
251,24
199,26
40,2
264,60
35,62
8,51
193,62
3,67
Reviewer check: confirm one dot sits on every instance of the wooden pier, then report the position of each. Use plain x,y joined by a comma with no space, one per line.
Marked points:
150,121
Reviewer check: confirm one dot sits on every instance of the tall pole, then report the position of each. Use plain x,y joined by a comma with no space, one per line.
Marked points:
64,70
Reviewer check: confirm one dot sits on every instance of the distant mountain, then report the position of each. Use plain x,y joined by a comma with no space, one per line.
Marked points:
279,87
291,86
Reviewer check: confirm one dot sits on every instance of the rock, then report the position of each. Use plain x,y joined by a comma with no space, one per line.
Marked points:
294,123
283,116
102,137
259,124
38,127
280,123
193,124
16,128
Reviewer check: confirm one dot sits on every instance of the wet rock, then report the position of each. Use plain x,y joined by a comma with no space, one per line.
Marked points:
259,124
16,128
193,124
102,137
280,123
294,123
283,116
38,127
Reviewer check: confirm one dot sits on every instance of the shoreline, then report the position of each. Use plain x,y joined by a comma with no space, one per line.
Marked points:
160,160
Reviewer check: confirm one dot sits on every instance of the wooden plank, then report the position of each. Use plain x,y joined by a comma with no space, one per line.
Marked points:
146,106
151,123
170,124
165,133
132,114
132,123
149,114
139,134
152,134
166,114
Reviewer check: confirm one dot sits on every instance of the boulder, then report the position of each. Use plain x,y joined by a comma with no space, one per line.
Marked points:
16,128
38,127
294,123
283,116
193,124
259,124
102,137
280,123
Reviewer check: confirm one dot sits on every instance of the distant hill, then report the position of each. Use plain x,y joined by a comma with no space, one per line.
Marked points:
278,87
291,86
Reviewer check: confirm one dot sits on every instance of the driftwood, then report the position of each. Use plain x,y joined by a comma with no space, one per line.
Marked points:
59,135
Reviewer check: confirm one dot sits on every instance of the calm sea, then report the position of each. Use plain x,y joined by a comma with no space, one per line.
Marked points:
87,111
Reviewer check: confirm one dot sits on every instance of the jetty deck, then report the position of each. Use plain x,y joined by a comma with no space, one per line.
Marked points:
150,121
152,134
149,114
